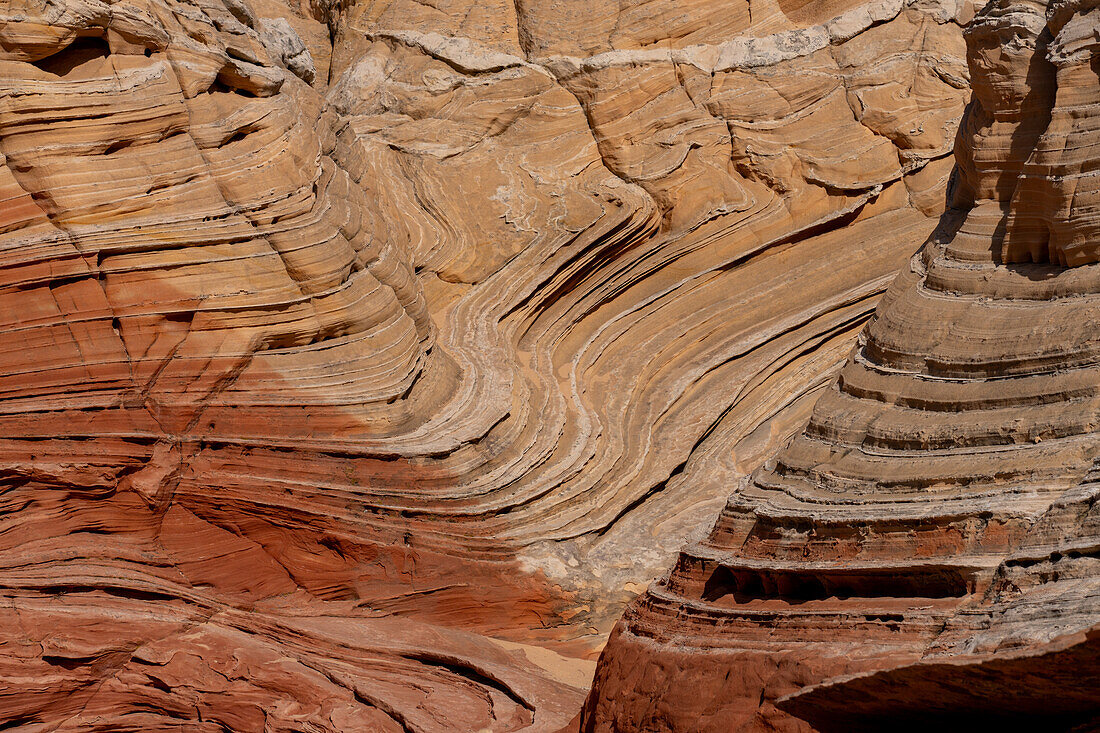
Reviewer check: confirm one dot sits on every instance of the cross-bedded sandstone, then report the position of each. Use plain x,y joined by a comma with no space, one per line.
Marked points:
337,324
924,552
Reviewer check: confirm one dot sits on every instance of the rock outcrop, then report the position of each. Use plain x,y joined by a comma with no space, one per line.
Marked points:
925,551
359,361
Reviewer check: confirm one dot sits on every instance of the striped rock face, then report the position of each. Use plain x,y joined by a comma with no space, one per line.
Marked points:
925,551
360,361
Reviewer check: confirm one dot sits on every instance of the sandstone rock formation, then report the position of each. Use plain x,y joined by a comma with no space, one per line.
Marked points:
925,551
360,360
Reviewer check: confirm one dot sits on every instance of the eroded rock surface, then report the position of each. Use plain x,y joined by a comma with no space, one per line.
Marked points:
925,551
359,360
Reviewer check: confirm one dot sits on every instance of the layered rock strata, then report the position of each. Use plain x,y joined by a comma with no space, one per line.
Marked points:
925,551
1027,654
349,351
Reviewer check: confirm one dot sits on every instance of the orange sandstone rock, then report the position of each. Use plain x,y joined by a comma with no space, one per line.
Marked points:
360,361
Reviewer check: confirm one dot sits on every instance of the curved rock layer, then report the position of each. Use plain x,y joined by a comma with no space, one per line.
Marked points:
927,546
354,351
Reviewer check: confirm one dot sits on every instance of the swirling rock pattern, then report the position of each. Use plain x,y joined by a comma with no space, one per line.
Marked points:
361,360
926,549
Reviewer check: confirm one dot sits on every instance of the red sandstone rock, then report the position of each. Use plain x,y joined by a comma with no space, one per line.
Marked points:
358,363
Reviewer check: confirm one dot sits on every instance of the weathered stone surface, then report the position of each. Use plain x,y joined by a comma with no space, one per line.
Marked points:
924,552
378,353
1037,687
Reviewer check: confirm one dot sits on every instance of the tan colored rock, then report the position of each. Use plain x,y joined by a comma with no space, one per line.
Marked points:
923,553
455,340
